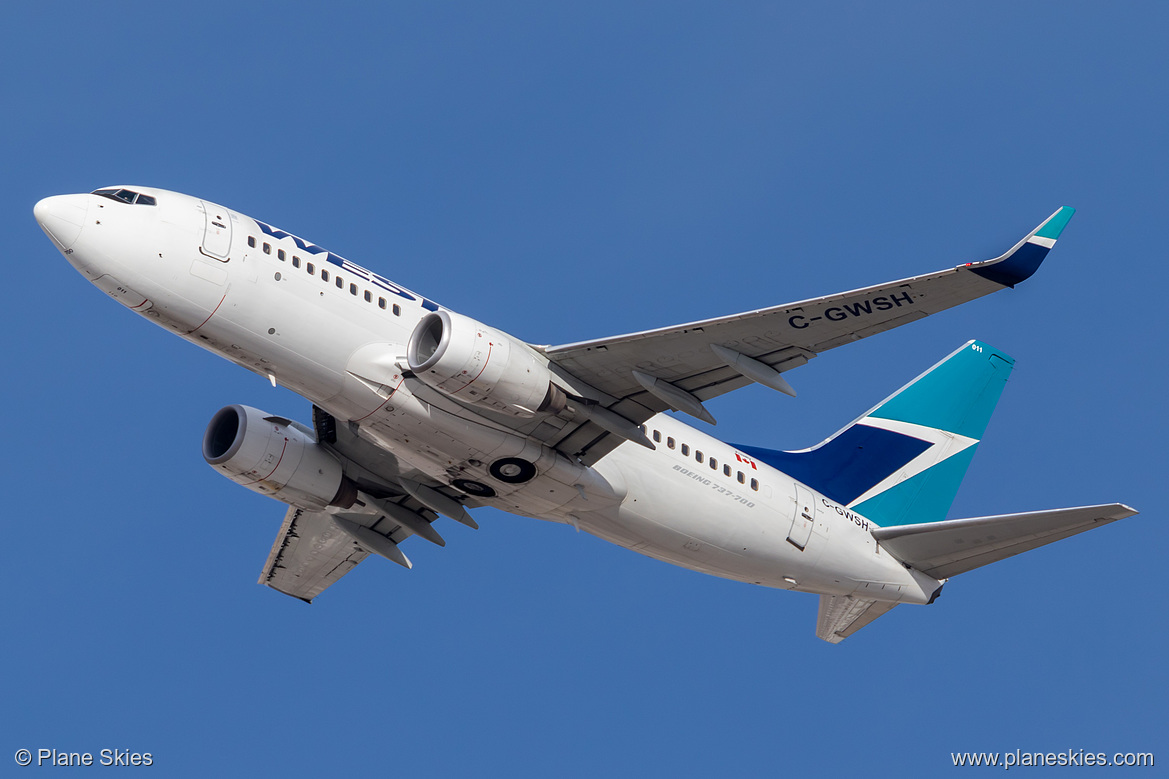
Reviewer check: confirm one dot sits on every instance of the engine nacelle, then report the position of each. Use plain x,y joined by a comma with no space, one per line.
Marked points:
275,457
474,363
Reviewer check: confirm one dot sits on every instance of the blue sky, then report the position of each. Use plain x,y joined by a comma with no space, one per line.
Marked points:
565,172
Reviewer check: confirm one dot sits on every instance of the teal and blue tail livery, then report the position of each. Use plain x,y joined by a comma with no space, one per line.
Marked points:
1025,257
902,462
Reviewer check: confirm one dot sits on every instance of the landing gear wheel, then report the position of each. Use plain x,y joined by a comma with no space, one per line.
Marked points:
476,488
513,470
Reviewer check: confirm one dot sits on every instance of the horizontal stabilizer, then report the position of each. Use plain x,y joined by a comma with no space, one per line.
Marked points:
945,549
842,615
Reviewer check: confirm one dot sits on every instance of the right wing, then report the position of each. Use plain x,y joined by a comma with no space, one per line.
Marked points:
945,549
311,552
842,615
316,548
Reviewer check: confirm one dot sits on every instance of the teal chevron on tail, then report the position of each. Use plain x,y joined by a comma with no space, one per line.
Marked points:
901,463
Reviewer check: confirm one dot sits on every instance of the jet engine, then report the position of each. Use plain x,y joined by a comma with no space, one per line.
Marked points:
474,363
276,457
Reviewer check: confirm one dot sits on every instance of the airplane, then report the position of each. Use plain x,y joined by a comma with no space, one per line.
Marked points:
419,411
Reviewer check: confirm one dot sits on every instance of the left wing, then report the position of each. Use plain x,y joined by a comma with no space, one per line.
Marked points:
679,367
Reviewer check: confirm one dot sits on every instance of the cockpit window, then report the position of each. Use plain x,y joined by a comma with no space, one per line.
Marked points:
126,196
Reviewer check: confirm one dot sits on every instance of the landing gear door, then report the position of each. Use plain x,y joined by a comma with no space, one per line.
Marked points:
216,232
804,519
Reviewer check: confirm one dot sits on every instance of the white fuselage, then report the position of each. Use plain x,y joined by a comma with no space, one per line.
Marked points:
261,298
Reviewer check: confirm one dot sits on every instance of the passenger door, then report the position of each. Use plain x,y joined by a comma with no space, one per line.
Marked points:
804,519
216,231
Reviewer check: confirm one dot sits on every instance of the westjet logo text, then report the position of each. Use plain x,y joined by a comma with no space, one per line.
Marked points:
351,267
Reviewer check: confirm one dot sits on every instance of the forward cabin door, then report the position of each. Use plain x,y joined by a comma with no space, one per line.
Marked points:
216,232
805,517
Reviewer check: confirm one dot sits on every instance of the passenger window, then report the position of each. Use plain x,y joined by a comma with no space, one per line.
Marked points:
368,297
670,443
267,248
698,456
295,261
352,289
309,268
397,310
685,450
324,275
713,464
381,302
657,437
340,283
280,254
755,484
742,479
252,241
726,470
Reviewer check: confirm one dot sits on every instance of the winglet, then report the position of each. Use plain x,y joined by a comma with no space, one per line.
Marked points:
1025,257
1055,223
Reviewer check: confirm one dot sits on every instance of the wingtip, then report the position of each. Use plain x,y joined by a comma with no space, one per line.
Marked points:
1055,223
1021,262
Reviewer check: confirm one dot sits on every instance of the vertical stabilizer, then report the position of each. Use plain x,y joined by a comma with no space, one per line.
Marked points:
902,462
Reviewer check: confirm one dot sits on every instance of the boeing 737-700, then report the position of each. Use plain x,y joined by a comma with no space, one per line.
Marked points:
418,411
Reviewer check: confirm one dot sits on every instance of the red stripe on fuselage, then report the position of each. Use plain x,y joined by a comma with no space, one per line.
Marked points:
208,319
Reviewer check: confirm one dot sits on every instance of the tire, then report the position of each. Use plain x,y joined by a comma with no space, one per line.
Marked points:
513,470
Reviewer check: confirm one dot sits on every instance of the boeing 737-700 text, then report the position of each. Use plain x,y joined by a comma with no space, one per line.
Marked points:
419,411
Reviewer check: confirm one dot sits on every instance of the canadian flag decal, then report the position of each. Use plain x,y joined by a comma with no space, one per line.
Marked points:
746,461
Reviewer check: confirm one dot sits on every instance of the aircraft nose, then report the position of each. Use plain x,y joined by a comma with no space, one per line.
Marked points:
62,217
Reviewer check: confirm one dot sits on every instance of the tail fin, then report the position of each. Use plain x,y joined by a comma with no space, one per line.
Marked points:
902,462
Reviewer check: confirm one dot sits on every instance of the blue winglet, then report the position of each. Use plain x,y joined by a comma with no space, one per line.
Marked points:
1024,259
